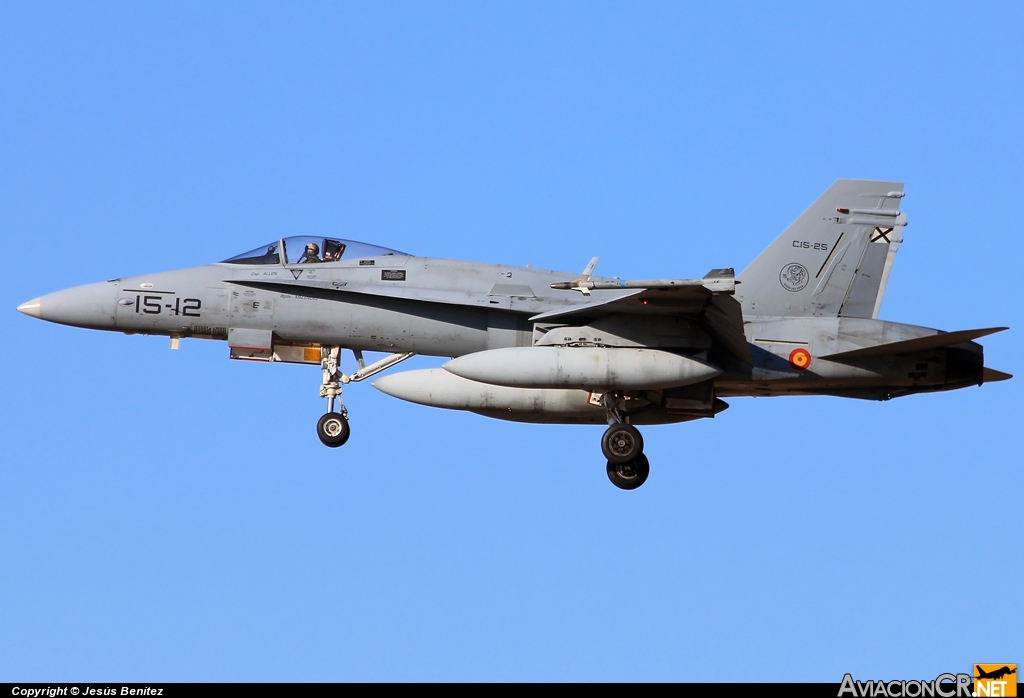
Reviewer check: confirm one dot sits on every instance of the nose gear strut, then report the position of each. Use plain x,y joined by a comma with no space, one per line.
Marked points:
333,428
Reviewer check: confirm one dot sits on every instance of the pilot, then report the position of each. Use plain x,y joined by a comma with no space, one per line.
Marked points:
311,255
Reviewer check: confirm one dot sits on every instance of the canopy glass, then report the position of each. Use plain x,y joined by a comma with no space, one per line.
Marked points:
302,249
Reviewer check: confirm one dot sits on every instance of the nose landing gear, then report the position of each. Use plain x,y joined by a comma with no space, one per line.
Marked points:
333,428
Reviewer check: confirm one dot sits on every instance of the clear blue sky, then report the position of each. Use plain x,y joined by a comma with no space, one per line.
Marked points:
172,516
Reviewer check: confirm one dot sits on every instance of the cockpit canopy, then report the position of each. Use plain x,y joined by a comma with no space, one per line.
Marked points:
302,249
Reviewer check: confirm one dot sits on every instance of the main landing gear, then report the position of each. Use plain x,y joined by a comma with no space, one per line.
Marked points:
623,446
629,476
333,428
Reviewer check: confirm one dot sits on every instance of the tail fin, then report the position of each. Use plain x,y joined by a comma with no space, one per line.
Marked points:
834,259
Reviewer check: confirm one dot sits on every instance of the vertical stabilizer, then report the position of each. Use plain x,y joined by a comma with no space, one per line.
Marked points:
834,259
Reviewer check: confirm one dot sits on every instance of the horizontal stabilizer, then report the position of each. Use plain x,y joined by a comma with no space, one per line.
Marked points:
935,341
990,375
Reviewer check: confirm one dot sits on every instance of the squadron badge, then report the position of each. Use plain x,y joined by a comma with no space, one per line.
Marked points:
794,277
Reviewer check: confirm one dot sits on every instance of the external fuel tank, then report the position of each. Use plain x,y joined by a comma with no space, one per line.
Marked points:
594,369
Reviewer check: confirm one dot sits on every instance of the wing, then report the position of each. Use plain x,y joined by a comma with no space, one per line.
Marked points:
707,300
652,297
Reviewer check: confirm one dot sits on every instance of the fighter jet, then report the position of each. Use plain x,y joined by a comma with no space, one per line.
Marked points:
533,345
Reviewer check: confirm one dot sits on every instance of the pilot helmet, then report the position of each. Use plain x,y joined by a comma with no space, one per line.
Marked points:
312,248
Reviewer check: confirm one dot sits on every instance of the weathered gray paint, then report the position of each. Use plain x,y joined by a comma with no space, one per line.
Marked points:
818,288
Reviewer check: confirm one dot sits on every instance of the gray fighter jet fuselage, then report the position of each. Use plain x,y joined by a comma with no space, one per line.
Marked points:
556,347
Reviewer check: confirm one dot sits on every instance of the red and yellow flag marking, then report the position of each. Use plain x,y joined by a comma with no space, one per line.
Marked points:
800,358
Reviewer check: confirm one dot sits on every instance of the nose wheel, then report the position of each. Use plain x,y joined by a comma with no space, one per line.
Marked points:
333,429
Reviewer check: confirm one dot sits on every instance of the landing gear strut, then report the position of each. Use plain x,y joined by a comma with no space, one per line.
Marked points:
333,428
623,446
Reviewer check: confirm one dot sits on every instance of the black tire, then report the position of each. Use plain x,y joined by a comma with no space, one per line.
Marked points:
622,443
333,429
629,476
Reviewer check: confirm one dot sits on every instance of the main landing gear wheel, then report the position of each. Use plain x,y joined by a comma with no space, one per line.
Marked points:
622,444
333,429
629,476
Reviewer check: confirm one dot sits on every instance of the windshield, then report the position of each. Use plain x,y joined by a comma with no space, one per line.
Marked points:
265,254
311,250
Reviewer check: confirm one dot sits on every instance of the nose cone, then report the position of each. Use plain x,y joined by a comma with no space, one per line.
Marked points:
92,306
30,307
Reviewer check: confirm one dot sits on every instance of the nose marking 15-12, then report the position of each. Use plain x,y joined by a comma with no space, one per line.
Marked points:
149,304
